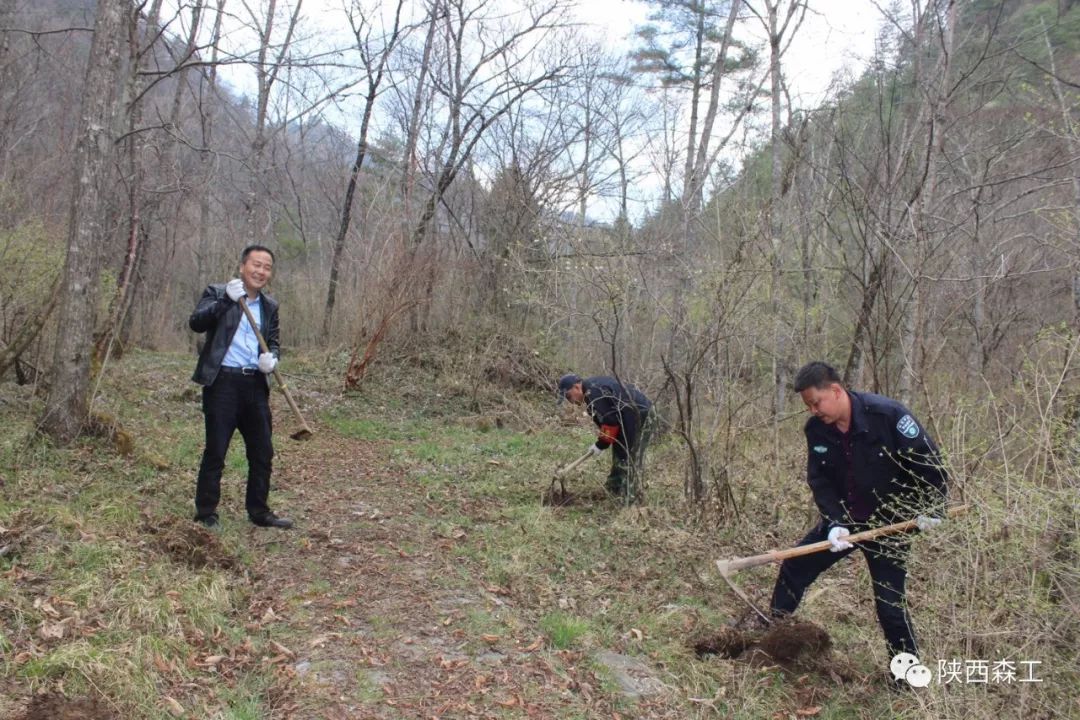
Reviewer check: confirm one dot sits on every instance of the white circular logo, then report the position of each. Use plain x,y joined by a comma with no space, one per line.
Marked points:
901,664
918,676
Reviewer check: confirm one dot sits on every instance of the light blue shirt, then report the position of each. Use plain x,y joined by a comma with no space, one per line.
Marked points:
244,350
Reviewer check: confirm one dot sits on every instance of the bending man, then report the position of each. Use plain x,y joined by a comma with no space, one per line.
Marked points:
621,411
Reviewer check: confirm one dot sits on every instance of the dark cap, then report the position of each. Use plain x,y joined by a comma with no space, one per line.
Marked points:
566,382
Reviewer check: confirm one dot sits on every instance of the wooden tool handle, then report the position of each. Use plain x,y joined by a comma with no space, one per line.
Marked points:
277,376
781,555
562,471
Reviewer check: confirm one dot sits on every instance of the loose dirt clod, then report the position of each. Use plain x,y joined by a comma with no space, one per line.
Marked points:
788,641
727,643
58,707
189,544
783,642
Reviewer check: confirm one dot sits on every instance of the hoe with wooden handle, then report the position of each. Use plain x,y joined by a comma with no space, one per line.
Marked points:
561,473
304,432
726,567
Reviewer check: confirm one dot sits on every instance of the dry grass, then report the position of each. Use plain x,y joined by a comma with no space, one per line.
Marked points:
430,547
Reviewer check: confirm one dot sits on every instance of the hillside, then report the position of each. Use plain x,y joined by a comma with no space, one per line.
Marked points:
429,576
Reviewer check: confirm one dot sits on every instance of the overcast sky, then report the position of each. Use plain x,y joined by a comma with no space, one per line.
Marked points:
837,36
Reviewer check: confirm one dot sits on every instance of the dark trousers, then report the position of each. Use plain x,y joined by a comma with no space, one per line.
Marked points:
886,560
628,456
236,402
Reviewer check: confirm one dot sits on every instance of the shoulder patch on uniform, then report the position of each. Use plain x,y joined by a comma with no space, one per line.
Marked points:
908,427
820,449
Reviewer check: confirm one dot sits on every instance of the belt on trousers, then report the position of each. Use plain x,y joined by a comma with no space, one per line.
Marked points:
240,370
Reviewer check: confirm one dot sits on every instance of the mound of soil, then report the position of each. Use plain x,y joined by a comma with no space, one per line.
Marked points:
58,707
783,642
790,641
727,643
189,544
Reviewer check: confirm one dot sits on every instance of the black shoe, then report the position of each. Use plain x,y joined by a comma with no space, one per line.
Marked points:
210,522
272,520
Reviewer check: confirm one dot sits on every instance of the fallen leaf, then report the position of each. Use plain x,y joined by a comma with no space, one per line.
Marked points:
52,631
174,707
808,712
491,639
281,648
46,607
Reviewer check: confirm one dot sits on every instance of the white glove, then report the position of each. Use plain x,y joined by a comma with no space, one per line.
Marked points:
235,289
594,450
927,523
267,363
836,538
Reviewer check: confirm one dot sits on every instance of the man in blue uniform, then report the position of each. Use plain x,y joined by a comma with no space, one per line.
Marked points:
622,413
869,463
236,389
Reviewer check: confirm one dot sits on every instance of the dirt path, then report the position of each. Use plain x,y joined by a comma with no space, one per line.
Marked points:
378,617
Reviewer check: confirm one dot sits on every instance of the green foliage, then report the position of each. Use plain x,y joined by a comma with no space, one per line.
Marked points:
1036,18
31,259
461,531
290,245
562,630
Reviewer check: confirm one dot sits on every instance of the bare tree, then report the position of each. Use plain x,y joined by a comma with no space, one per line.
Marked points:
270,60
143,34
374,60
67,407
780,24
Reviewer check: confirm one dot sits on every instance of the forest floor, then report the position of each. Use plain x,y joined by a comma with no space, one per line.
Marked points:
425,576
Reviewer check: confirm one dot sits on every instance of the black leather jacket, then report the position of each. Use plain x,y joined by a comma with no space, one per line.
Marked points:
218,317
898,468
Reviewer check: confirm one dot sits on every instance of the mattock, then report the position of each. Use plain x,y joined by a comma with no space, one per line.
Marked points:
726,567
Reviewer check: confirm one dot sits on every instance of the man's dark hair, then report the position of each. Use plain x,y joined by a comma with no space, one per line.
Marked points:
816,375
256,248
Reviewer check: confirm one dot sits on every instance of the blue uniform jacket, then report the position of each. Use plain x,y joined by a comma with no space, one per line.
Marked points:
898,468
613,403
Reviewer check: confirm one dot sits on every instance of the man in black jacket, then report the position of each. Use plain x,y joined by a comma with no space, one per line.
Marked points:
621,411
869,463
236,389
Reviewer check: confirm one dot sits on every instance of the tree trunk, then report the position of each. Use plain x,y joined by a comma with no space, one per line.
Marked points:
374,80
408,176
206,155
67,407
914,320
